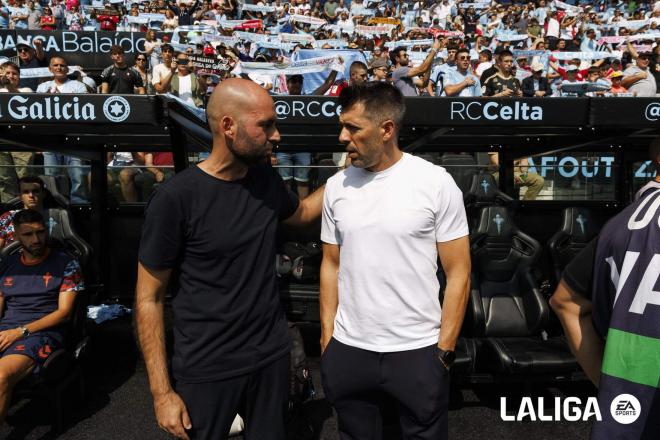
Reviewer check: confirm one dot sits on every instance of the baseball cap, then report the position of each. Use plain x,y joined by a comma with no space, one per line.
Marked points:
616,74
537,67
23,45
378,63
572,68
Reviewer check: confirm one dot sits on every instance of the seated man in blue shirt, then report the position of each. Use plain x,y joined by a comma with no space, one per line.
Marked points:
462,81
38,287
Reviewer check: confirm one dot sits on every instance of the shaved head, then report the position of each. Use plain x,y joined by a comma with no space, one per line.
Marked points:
242,119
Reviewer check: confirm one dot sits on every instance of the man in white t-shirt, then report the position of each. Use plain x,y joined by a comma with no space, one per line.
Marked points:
386,219
60,82
162,73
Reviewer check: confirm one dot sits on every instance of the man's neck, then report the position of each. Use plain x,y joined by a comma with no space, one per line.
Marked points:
61,81
223,165
389,158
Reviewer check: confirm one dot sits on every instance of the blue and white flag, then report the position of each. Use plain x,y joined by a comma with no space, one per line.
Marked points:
258,8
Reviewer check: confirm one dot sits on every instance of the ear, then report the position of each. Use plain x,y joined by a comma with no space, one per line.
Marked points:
389,130
228,126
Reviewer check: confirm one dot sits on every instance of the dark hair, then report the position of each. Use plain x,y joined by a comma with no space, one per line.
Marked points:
395,53
452,46
504,53
381,101
116,50
295,78
487,53
355,65
654,152
32,179
27,216
463,50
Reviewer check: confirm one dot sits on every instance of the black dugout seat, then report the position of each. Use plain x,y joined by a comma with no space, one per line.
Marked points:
57,186
578,228
508,309
461,167
483,191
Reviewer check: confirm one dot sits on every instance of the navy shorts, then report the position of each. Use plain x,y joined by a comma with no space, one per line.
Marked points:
37,346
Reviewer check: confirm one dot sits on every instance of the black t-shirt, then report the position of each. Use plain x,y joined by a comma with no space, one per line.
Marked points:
488,73
221,235
32,83
578,274
122,81
496,84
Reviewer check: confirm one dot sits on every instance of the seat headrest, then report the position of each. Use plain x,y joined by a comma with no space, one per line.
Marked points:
484,188
495,221
578,223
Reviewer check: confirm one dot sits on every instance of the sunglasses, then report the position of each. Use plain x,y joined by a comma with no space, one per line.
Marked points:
141,59
182,60
23,49
463,58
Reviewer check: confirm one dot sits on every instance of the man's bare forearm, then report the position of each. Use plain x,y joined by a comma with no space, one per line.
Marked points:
574,312
150,327
453,310
328,298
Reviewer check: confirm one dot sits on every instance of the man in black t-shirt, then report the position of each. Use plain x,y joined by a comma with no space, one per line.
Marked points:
119,79
216,223
502,83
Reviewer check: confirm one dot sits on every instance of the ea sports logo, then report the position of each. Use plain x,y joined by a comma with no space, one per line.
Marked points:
625,408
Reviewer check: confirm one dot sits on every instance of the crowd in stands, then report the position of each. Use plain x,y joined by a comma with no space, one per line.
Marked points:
426,48
444,48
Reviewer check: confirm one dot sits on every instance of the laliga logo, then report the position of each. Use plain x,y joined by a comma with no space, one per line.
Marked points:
116,109
519,111
313,109
569,409
653,111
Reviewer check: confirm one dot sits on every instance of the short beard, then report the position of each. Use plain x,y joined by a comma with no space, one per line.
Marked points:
250,154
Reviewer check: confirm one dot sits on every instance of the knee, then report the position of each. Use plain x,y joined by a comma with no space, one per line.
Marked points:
126,176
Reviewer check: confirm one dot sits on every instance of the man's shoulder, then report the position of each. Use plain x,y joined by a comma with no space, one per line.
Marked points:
108,70
43,87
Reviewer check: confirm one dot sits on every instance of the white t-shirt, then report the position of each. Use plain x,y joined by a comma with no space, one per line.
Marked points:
387,225
159,72
70,86
185,89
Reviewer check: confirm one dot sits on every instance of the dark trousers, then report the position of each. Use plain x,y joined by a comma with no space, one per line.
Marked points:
261,398
355,381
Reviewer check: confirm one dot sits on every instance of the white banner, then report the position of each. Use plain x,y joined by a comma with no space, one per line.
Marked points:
617,39
519,37
43,72
249,36
565,56
567,7
296,38
301,67
409,43
308,20
374,30
341,44
258,8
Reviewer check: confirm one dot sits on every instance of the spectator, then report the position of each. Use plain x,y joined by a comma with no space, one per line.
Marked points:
503,83
124,167
34,20
536,85
48,21
171,21
185,84
60,82
13,165
617,86
152,48
358,74
163,72
160,165
32,192
461,81
108,20
19,15
437,78
142,67
74,19
53,161
638,79
379,69
485,62
405,78
119,78
29,58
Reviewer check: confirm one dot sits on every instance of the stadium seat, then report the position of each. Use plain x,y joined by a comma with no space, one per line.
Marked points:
483,191
461,167
57,186
508,309
578,228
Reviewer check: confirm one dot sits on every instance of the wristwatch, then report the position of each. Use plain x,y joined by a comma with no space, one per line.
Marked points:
25,331
447,357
